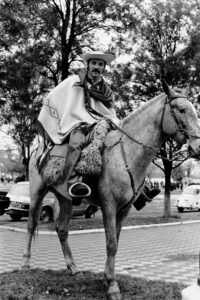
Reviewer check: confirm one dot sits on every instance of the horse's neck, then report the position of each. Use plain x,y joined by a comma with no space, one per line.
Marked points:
144,128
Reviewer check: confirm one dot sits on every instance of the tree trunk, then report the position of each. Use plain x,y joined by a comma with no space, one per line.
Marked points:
25,160
167,199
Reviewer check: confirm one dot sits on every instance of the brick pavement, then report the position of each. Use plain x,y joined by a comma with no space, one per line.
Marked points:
169,253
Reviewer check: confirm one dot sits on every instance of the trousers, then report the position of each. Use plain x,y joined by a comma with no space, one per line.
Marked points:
77,140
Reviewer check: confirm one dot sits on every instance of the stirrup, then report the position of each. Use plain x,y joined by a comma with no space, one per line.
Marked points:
79,190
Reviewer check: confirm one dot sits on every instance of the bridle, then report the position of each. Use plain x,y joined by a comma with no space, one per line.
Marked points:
180,126
169,100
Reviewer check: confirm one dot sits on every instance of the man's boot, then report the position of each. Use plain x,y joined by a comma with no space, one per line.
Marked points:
151,193
76,188
146,196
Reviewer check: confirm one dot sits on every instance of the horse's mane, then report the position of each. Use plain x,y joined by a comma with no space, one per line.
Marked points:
143,107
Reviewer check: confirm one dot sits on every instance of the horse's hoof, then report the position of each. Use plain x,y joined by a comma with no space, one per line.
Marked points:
114,292
73,270
115,296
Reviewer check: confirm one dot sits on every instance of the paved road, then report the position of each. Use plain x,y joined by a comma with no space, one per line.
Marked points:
169,253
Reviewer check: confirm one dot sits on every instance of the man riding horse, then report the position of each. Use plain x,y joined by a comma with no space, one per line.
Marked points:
70,112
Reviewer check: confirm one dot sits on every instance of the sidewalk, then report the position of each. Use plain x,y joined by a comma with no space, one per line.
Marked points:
163,252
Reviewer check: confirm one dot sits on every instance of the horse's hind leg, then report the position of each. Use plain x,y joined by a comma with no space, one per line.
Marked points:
37,192
62,228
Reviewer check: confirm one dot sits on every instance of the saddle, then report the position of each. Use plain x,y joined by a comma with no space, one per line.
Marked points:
51,164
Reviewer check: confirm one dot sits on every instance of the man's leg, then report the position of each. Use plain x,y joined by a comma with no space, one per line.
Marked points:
77,141
76,189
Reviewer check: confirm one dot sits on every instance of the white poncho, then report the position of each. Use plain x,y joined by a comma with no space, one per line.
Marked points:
64,108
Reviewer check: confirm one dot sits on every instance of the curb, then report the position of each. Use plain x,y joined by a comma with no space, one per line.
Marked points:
100,230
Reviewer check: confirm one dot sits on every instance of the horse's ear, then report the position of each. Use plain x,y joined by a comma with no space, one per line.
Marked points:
168,91
165,87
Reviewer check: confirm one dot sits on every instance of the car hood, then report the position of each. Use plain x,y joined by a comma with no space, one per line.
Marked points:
187,197
21,199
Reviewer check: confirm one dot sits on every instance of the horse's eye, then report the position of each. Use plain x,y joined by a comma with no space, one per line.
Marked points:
182,110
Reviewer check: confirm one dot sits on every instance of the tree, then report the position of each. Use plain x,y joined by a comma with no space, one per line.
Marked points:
57,32
164,50
21,98
40,41
10,163
172,157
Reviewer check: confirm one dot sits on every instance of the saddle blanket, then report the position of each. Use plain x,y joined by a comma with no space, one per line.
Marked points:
90,161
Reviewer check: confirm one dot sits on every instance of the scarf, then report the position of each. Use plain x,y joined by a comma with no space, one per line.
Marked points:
100,91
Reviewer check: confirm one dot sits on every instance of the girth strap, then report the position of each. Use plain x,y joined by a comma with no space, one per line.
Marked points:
127,167
130,175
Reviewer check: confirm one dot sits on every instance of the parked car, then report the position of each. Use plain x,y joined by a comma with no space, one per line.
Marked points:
20,202
4,202
189,199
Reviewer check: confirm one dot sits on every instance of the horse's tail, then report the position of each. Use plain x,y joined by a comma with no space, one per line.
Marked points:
40,150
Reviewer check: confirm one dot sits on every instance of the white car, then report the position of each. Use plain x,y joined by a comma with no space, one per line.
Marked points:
20,202
189,199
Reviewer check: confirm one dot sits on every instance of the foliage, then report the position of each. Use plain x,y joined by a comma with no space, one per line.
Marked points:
167,47
163,42
9,163
22,100
40,41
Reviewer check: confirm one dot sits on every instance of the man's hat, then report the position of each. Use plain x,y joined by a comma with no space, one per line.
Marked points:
97,55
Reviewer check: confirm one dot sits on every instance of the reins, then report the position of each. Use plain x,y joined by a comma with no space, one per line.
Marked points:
155,149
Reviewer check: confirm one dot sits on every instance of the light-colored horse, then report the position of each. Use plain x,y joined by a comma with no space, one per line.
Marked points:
126,157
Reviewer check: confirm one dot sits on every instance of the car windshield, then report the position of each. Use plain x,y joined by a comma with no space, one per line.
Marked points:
22,190
191,190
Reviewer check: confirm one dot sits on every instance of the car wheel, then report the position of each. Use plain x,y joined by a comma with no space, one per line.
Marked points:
46,214
1,212
180,209
90,212
15,217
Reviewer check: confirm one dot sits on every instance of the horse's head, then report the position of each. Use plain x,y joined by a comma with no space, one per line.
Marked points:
179,120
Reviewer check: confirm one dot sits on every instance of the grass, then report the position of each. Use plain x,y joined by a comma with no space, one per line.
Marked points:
82,223
59,285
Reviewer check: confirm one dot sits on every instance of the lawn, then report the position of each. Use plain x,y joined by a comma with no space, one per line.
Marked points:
59,285
78,224
95,223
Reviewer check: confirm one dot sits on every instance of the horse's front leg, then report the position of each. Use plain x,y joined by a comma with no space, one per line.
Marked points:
62,228
121,216
109,217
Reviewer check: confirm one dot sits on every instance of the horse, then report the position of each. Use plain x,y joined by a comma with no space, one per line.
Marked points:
128,151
